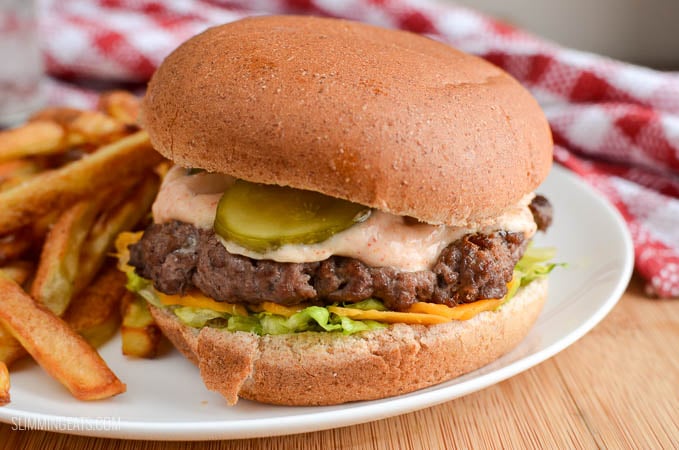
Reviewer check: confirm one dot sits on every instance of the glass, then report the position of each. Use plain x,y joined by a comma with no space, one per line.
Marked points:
21,65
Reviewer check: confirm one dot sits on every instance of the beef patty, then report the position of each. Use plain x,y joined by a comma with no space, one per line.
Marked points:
178,257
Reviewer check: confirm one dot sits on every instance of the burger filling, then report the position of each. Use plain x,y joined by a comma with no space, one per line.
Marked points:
179,257
395,262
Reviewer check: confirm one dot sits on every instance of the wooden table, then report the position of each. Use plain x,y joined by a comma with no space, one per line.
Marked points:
618,387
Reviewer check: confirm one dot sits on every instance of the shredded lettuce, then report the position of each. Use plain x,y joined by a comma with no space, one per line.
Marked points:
196,317
135,283
312,318
368,304
351,326
249,323
533,265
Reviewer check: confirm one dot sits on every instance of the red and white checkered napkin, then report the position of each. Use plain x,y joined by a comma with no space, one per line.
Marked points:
615,125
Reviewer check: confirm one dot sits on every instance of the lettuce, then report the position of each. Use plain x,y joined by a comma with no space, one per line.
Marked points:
249,323
351,326
135,283
312,318
196,317
533,265
368,304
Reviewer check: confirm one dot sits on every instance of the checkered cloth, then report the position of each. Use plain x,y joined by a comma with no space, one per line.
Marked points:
614,124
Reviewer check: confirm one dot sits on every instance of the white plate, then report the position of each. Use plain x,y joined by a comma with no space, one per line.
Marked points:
166,399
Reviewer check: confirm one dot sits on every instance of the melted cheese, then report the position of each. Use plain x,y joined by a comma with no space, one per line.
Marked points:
459,312
388,316
275,308
198,300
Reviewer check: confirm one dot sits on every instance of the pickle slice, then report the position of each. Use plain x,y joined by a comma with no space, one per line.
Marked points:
262,217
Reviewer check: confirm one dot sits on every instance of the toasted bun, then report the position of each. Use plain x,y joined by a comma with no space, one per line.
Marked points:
384,118
329,368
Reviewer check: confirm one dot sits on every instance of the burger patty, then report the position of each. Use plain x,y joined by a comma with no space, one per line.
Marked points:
542,211
178,257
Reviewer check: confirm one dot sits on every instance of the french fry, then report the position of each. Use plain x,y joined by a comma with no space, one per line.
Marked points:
10,349
4,384
121,218
95,313
19,271
83,126
60,351
41,226
140,334
121,105
59,188
162,169
78,209
61,115
58,266
95,127
13,246
35,138
13,173
10,168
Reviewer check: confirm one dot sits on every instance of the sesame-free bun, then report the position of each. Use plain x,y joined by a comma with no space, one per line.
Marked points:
384,118
314,368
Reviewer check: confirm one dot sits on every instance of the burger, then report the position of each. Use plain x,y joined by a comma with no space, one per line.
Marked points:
349,213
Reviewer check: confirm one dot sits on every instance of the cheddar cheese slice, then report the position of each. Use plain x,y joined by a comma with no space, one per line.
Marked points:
388,316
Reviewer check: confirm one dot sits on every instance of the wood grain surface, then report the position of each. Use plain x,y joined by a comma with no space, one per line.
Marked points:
618,387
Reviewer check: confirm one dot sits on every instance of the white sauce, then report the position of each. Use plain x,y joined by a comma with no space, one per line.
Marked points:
382,240
190,198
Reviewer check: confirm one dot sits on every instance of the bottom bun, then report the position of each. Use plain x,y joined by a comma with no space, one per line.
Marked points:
328,368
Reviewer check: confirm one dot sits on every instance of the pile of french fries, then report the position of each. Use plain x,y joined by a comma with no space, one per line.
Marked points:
70,182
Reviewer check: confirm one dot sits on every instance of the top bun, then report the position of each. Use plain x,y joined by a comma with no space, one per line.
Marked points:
385,118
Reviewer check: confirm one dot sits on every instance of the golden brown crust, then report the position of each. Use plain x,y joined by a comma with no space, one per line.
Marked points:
384,118
327,368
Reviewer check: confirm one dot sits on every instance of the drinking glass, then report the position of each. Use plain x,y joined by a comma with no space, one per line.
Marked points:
21,65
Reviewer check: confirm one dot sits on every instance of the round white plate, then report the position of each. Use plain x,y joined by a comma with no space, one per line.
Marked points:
166,399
